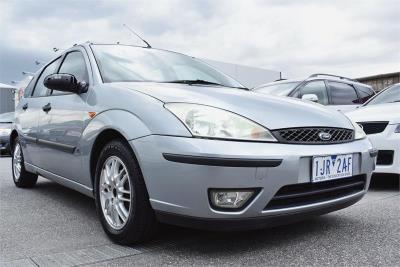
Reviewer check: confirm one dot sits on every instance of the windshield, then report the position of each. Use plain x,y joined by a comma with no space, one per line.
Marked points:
7,117
123,63
389,95
281,89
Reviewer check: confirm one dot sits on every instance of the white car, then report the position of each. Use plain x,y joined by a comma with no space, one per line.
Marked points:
380,118
336,92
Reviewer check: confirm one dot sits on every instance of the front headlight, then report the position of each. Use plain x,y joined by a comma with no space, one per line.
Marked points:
210,122
358,131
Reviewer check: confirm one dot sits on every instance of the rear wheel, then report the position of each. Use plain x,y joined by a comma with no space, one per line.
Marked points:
21,177
122,200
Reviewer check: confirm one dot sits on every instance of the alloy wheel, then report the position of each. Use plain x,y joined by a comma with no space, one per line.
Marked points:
115,192
17,162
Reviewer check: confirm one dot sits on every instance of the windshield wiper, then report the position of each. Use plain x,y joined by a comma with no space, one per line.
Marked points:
198,81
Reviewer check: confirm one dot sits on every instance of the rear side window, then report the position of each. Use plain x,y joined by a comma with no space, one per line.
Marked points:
29,88
365,93
343,94
317,88
40,89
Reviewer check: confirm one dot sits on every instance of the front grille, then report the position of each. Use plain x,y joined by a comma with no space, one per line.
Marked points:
385,157
311,135
373,127
310,193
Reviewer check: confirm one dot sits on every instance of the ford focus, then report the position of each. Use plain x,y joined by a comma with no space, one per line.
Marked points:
157,136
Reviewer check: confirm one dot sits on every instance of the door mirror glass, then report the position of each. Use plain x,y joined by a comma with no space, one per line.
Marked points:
65,83
310,97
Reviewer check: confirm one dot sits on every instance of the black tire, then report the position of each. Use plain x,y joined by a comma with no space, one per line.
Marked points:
141,224
25,179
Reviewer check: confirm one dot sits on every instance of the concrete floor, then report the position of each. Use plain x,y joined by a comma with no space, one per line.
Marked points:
50,225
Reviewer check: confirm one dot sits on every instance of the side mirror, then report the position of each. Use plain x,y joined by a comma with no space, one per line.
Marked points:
65,82
310,97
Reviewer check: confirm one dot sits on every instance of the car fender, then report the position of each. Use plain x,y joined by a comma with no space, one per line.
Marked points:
122,121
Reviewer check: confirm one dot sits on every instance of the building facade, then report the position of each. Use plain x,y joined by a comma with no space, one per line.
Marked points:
381,81
7,98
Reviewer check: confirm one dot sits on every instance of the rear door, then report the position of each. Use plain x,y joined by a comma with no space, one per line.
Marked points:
28,111
343,96
61,126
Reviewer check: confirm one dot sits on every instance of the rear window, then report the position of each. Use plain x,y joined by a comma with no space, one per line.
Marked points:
281,89
365,93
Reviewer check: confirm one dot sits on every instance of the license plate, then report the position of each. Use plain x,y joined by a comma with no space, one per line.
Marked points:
332,167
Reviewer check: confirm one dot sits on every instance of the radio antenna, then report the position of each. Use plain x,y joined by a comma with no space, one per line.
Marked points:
132,31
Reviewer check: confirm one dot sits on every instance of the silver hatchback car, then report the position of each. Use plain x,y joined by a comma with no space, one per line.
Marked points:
157,136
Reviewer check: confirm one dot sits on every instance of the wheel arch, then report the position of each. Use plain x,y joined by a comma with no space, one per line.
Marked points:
13,136
107,126
101,140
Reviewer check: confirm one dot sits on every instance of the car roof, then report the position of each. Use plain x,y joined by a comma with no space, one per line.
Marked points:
316,77
89,43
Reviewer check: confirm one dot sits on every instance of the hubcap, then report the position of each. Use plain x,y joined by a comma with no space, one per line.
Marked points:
115,192
17,162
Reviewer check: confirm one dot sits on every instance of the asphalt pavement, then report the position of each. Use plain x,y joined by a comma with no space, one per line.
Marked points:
50,225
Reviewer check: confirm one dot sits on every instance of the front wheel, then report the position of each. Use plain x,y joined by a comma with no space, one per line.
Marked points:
122,200
22,178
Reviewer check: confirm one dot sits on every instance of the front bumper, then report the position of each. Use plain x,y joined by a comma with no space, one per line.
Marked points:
388,141
181,188
4,143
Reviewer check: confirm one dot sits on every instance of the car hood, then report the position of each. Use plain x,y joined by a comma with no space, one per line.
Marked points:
383,112
272,112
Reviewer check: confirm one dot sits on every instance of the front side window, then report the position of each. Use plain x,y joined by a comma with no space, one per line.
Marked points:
280,89
317,88
74,63
40,89
390,95
343,94
122,63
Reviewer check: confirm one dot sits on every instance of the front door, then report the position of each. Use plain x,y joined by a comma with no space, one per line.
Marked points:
62,122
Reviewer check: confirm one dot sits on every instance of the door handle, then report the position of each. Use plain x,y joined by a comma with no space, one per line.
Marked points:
47,107
25,106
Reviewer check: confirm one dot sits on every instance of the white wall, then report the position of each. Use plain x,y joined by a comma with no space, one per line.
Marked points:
248,76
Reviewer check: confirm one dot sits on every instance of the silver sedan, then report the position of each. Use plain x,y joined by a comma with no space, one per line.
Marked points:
157,136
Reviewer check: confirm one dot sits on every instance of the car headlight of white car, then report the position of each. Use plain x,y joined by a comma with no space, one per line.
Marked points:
359,132
210,122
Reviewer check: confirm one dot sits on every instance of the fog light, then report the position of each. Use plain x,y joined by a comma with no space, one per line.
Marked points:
230,199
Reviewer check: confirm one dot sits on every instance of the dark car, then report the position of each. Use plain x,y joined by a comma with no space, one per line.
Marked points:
338,92
6,120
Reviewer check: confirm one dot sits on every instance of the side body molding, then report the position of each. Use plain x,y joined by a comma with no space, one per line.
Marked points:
125,122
